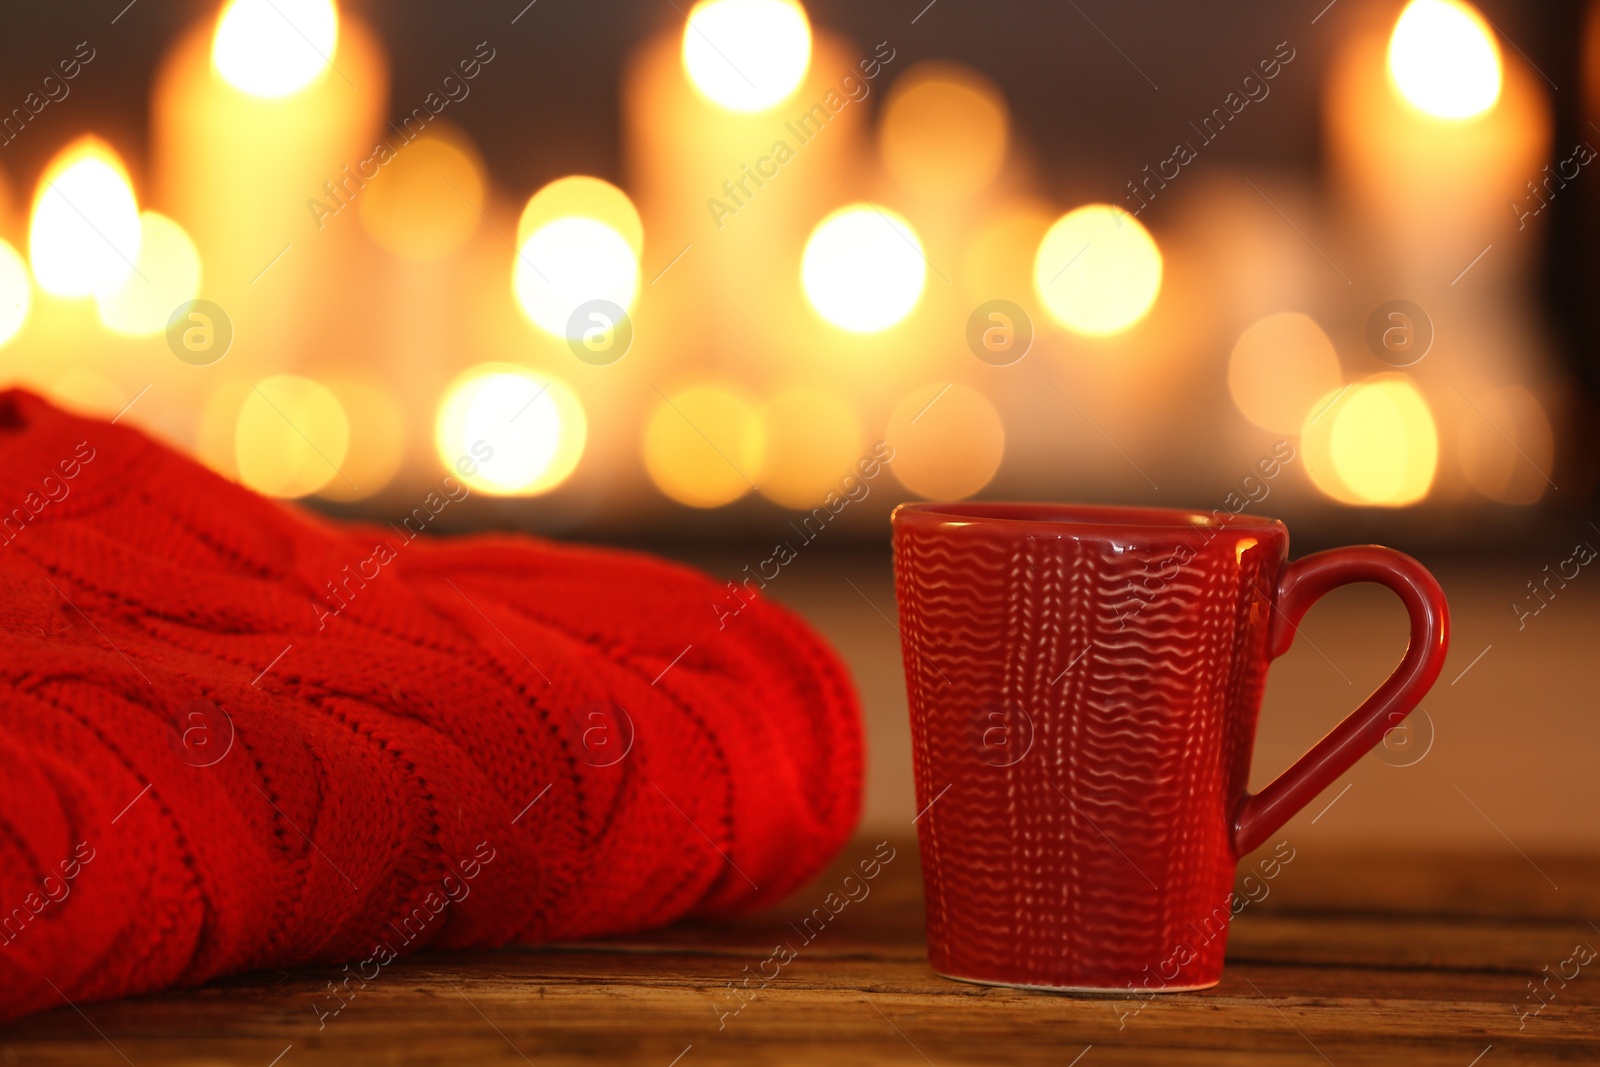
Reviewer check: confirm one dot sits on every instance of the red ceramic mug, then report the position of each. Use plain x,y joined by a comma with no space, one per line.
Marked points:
1084,686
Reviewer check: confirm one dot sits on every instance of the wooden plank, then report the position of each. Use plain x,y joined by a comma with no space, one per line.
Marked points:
1340,963
624,1008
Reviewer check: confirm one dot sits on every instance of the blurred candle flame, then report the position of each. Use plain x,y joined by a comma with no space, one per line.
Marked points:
581,196
704,445
167,274
507,431
431,198
813,442
948,441
579,240
1098,270
1374,443
1279,366
291,437
863,268
84,235
944,132
1507,445
568,263
1444,59
16,293
272,48
747,55
377,439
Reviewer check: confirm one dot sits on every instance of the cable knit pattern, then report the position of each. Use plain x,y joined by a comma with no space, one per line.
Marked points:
236,736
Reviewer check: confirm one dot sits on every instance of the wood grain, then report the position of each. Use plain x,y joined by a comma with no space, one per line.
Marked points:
1351,958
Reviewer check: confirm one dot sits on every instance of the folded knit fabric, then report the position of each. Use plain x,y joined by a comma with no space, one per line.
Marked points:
236,736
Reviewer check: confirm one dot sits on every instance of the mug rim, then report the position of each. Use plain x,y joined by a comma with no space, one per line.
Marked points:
1036,513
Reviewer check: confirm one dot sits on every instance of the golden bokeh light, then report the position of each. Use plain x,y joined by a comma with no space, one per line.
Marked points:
704,446
944,131
16,293
1374,443
1444,59
218,427
1507,446
999,259
1097,271
582,196
272,48
84,392
84,234
509,431
568,262
863,268
377,440
1280,366
948,441
168,274
747,55
428,203
291,437
813,441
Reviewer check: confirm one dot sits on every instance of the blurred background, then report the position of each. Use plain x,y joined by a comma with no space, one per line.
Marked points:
687,277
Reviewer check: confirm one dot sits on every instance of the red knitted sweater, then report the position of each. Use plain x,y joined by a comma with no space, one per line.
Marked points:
236,736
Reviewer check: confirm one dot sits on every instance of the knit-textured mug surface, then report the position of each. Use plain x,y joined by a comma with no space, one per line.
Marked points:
235,736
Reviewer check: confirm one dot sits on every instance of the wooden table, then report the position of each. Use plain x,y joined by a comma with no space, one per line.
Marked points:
1425,894
1351,958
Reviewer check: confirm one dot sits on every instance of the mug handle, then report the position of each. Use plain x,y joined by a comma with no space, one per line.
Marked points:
1258,816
